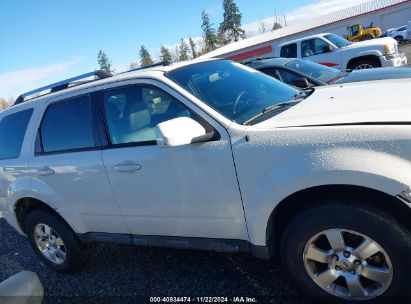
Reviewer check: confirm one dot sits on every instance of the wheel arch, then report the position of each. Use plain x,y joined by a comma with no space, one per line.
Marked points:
291,206
352,61
25,205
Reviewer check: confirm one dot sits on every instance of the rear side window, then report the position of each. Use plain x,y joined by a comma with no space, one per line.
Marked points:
289,51
12,130
66,126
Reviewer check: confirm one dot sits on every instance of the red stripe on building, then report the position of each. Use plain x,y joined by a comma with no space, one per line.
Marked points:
329,64
259,51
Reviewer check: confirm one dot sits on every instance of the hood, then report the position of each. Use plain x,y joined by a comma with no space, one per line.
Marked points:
372,42
377,102
376,74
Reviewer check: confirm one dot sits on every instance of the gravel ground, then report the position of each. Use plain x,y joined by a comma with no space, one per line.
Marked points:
137,273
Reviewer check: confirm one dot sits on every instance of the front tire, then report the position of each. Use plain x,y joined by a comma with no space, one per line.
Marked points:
53,241
364,64
346,251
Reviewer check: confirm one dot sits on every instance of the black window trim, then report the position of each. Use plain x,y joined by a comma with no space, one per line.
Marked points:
97,141
288,45
104,131
31,109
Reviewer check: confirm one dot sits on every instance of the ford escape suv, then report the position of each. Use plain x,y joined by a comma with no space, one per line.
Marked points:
214,155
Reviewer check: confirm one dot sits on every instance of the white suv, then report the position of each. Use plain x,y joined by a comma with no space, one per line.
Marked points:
214,155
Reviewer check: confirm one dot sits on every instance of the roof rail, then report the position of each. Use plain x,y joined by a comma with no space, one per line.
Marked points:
161,63
62,85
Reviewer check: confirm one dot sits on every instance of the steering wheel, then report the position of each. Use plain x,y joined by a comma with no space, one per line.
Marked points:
238,99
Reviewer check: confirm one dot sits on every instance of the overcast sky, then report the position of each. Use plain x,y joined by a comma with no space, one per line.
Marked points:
47,41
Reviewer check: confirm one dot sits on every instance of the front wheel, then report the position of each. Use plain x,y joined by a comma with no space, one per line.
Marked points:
345,251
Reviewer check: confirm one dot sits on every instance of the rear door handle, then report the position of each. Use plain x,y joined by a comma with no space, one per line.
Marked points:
45,171
127,167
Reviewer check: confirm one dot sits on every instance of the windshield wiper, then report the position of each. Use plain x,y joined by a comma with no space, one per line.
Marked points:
340,75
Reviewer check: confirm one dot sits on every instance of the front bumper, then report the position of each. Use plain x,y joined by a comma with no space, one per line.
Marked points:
395,60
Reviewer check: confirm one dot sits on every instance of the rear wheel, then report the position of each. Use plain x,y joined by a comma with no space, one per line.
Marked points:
345,251
399,38
53,241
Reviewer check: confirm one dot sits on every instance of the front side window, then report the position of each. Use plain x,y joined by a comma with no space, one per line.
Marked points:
315,70
132,113
289,51
12,130
67,125
313,47
235,91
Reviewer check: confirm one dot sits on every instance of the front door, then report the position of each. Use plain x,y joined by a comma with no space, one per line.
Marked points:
320,51
189,191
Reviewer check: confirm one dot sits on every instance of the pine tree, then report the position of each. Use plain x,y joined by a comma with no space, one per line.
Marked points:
231,25
145,58
103,61
165,54
184,49
209,33
193,48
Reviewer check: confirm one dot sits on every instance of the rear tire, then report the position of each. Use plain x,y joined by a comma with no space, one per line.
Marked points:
399,39
386,232
54,241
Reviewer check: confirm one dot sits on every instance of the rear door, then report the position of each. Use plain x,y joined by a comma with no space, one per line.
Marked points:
188,191
68,171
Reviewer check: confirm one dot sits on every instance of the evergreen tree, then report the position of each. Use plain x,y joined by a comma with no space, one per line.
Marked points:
231,25
184,49
209,33
103,61
276,26
165,54
145,57
176,54
193,48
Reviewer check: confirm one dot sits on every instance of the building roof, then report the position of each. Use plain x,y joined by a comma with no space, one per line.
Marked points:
306,25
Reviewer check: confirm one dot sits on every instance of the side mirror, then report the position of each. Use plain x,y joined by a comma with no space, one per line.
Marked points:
299,83
180,131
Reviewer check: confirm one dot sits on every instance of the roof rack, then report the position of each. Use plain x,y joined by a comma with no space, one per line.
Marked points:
161,63
64,84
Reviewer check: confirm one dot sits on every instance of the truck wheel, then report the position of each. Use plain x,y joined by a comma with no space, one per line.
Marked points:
346,251
363,64
367,37
53,241
399,39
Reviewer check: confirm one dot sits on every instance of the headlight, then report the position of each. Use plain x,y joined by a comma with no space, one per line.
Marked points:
389,49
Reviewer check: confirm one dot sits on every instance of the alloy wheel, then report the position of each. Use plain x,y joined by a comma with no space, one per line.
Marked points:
348,264
50,243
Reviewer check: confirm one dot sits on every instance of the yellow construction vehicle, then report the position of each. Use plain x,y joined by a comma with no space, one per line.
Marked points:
357,32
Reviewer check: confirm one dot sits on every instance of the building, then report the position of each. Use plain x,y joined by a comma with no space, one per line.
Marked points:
385,14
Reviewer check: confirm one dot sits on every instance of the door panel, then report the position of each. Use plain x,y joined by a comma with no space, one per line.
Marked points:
312,49
68,172
187,191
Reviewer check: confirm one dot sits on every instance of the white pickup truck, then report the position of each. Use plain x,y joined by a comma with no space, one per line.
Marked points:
334,51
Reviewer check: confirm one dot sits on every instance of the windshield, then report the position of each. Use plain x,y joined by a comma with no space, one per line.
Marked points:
337,40
236,91
315,70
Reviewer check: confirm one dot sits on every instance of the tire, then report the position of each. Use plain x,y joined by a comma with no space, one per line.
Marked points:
367,37
367,63
351,216
399,39
67,257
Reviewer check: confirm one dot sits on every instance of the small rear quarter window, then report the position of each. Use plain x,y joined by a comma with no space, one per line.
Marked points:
12,130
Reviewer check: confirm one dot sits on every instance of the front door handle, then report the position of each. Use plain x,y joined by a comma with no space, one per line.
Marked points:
127,167
45,171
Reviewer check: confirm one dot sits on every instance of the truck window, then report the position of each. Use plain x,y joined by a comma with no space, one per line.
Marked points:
289,51
313,47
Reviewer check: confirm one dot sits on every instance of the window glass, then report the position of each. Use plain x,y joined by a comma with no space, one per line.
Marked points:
12,130
67,125
289,51
232,89
313,69
337,40
313,47
133,113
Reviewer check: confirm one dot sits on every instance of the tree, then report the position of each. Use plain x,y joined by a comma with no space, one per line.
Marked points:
176,54
103,61
276,26
145,57
184,49
133,65
262,29
231,25
209,33
165,54
193,48
4,103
